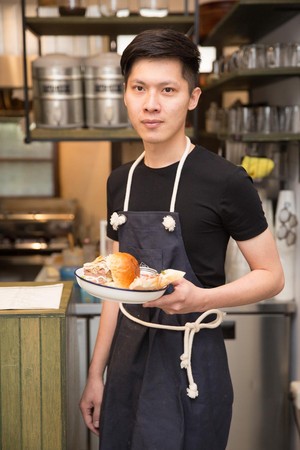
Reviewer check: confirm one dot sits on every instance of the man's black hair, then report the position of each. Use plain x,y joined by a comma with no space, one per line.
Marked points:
164,43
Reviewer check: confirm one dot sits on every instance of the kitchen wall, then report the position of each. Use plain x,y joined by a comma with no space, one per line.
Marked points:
84,168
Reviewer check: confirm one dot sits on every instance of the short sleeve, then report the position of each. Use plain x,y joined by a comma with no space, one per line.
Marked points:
241,207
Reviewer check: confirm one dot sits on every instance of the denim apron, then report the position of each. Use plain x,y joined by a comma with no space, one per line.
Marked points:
146,403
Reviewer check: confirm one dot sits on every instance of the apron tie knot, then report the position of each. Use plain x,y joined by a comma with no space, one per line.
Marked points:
190,328
192,390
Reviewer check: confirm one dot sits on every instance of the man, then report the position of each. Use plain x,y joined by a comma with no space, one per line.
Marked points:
180,204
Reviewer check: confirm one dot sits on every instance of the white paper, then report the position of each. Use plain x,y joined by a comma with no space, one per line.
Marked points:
31,297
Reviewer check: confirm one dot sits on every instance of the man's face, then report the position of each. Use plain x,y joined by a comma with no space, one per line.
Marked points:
157,99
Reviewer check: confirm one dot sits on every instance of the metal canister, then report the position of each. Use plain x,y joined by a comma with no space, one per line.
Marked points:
104,90
58,91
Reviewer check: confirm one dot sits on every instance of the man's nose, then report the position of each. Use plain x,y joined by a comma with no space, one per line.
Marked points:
152,102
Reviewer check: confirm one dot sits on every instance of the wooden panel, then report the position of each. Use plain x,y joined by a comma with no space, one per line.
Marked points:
31,389
10,427
53,433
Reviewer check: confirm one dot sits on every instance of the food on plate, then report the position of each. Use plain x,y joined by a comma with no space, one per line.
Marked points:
155,281
117,269
122,270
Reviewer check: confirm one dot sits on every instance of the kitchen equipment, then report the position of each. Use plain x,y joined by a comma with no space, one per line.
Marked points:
118,8
253,56
71,7
277,55
293,54
30,231
104,91
153,8
57,91
257,339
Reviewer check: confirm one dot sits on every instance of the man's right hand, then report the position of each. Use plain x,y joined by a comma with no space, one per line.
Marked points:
90,403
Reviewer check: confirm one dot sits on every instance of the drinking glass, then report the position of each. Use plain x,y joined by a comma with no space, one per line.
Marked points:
153,8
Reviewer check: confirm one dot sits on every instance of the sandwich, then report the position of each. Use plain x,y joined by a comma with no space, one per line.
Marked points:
117,270
154,281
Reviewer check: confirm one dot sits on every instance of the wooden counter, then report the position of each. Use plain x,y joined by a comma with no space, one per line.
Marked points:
38,355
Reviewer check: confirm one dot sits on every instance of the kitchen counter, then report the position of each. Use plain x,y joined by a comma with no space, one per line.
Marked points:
37,370
266,306
263,307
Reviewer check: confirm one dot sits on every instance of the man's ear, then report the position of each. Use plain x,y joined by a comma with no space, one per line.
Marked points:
124,90
194,98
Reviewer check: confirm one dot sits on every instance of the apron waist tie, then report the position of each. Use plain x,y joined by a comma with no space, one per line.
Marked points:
190,328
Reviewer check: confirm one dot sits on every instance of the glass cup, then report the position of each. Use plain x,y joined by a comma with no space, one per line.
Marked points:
273,55
153,8
245,119
293,54
118,8
285,119
71,7
235,61
253,56
296,119
267,120
277,55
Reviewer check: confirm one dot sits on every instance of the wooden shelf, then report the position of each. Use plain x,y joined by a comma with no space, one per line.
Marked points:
247,79
88,134
102,26
249,20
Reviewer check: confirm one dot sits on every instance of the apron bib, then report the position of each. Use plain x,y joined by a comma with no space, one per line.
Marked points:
145,396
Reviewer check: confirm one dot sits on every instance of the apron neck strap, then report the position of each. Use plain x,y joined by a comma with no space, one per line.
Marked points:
129,180
178,174
176,182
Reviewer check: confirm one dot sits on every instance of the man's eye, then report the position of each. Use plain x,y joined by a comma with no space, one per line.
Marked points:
139,88
169,90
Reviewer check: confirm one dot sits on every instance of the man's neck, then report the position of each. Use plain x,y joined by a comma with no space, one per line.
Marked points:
164,154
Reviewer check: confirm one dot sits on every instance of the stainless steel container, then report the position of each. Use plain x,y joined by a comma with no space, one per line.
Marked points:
103,83
57,91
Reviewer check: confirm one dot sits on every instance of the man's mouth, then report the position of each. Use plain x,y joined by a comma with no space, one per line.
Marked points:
151,123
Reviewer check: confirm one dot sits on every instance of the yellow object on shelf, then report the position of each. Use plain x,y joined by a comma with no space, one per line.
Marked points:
258,167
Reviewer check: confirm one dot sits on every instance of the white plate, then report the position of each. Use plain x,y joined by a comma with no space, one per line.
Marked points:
115,294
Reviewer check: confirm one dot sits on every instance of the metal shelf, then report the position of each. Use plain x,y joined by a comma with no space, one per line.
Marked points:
253,137
105,26
88,134
96,26
247,79
249,20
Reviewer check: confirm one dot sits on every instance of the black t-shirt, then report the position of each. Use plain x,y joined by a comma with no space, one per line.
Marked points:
215,200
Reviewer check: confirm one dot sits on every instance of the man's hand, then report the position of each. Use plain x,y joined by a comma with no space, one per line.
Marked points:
185,298
90,403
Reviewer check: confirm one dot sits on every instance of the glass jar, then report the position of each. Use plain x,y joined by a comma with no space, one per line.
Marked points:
118,8
71,7
153,8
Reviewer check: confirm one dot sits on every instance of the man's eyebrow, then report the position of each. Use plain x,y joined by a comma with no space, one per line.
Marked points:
161,83
137,80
